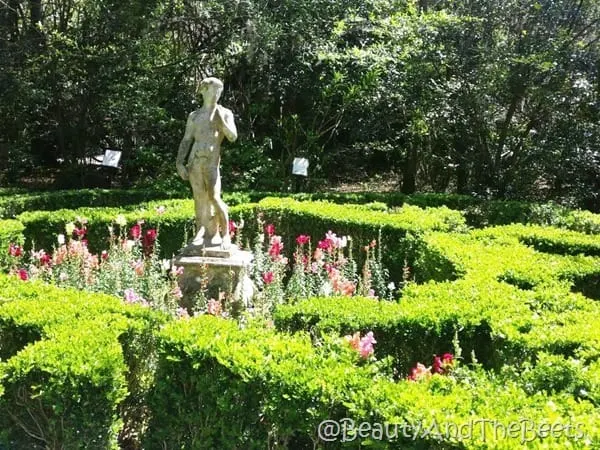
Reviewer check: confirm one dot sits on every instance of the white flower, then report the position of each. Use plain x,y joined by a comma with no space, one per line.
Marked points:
343,242
61,239
326,289
166,264
121,220
391,286
160,210
69,228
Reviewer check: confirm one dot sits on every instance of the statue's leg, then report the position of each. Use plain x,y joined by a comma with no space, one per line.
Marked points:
201,204
221,213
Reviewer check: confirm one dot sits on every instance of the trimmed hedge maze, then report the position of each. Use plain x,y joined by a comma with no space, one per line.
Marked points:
84,371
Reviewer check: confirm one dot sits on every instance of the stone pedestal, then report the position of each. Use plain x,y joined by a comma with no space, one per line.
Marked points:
215,269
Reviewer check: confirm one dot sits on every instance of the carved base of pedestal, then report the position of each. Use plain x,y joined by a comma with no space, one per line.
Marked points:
217,270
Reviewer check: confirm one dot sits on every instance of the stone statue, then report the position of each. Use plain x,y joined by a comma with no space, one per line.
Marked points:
204,132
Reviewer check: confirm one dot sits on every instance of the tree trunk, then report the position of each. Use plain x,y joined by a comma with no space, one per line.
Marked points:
35,12
409,173
10,19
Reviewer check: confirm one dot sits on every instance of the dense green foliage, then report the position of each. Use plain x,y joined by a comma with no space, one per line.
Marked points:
515,303
76,366
67,381
497,98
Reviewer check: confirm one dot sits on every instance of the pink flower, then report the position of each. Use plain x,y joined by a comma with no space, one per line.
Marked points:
22,274
176,271
214,307
420,372
135,231
347,288
131,296
303,239
318,255
331,242
80,232
138,267
268,277
365,346
276,247
104,255
176,292
15,250
182,313
42,257
270,229
353,340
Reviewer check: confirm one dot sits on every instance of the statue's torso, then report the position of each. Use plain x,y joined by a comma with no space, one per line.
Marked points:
207,139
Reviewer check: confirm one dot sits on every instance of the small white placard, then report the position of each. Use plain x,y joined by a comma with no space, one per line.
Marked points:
111,158
300,167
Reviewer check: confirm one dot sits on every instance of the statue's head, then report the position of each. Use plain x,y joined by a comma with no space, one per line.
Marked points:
211,88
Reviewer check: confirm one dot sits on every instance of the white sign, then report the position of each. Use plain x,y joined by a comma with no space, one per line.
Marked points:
300,167
111,158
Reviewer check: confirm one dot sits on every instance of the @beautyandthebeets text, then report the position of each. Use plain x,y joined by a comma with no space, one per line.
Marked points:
482,430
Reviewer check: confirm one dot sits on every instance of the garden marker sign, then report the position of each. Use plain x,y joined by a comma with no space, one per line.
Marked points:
300,167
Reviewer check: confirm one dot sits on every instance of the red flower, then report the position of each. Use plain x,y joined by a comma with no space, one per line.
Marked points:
23,275
270,229
442,365
232,228
45,259
80,232
268,277
276,247
302,239
325,244
104,255
136,231
448,358
15,250
149,239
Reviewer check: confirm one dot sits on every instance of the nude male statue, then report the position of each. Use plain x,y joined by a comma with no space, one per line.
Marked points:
205,129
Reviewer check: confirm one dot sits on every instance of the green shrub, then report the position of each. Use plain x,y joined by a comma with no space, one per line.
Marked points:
67,381
42,227
65,392
507,303
292,218
222,387
552,240
11,232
